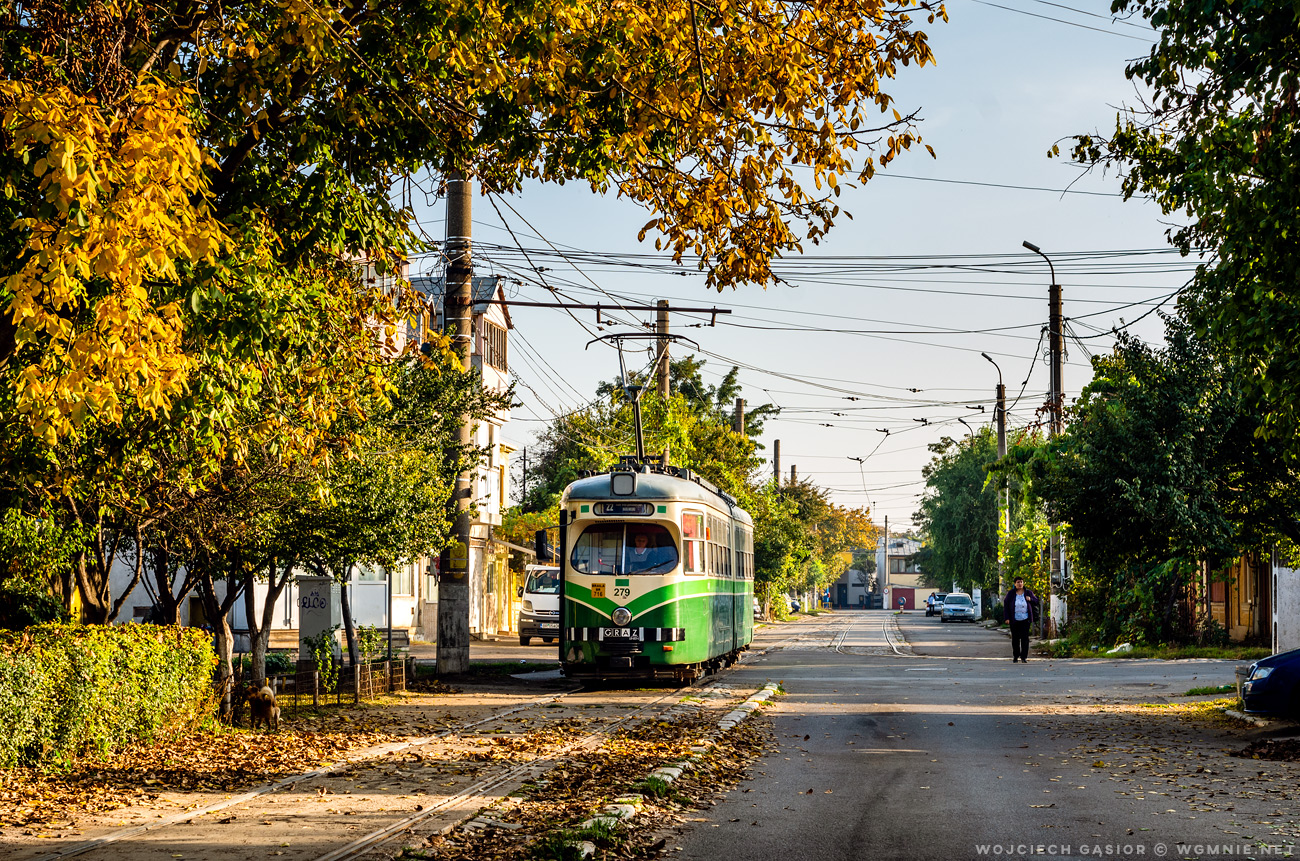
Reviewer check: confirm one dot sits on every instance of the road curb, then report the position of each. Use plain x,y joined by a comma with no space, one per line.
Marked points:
627,807
1245,718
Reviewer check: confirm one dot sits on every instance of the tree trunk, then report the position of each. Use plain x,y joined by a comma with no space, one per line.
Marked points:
170,600
349,625
259,624
225,648
218,613
136,573
256,635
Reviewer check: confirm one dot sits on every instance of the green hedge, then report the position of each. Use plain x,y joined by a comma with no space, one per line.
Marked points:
67,691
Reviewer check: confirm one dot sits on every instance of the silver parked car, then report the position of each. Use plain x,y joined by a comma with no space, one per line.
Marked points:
957,607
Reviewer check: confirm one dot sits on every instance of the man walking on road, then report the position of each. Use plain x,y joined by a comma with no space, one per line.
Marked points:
1020,608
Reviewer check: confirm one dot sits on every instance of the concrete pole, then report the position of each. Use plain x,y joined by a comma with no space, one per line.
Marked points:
1006,485
661,356
884,575
1056,343
776,462
454,570
794,475
738,421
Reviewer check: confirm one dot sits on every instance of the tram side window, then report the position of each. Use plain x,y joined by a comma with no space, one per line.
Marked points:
693,542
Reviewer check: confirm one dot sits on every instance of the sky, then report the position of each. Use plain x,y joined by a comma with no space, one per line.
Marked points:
881,326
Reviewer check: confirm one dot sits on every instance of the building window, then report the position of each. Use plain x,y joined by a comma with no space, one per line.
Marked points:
404,580
494,345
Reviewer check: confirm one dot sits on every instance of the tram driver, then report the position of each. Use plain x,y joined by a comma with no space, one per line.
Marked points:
641,557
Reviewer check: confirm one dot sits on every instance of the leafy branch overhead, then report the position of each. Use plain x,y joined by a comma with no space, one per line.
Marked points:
176,168
1214,144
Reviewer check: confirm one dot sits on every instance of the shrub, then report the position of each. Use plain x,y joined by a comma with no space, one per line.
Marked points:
277,664
68,691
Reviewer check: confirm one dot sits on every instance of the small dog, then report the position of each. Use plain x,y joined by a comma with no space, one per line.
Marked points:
262,708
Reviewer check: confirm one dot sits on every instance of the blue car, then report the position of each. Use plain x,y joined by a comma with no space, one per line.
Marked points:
1273,685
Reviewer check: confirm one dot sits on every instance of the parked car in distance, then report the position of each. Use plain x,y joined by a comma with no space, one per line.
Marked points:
539,615
1273,685
938,604
794,605
758,609
957,607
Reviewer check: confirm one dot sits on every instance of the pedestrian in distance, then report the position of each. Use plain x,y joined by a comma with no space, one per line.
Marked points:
1020,609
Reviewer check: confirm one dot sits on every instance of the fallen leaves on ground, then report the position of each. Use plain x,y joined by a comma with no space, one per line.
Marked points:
431,685
220,759
1281,749
546,815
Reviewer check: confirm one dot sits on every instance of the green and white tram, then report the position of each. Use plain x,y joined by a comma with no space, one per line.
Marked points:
658,575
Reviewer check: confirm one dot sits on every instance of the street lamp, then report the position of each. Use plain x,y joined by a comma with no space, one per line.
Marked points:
1001,416
1057,405
1054,337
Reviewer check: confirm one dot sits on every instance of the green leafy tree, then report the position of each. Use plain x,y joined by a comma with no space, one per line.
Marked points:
389,499
238,151
1215,144
960,512
35,555
1164,467
780,543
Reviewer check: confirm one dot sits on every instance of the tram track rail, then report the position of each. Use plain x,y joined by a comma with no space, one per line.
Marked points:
479,790
494,787
359,757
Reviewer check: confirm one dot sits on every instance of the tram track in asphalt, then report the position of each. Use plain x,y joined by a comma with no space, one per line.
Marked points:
495,787
460,804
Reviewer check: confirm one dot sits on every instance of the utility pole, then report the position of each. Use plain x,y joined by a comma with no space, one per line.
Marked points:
523,478
454,567
1056,406
738,421
1000,414
776,462
661,357
794,475
883,575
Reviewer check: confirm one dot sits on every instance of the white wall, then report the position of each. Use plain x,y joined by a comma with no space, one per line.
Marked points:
1286,606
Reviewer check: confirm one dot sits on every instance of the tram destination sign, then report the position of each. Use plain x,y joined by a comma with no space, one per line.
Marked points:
625,509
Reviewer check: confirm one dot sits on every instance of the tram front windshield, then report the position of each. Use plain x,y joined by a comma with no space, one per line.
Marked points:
624,548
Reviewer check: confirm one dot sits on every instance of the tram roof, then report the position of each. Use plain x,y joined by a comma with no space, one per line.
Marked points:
655,485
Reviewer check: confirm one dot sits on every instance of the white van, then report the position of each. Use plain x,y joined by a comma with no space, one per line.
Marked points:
540,614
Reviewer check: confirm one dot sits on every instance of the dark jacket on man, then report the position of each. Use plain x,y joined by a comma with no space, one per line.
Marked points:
1009,605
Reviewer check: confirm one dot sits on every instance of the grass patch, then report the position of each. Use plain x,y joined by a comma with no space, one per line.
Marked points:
566,844
1166,652
654,787
1203,710
1210,689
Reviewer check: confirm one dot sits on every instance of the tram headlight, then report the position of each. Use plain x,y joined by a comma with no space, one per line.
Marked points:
622,616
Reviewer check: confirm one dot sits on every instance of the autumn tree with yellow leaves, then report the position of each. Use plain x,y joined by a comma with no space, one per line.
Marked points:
185,184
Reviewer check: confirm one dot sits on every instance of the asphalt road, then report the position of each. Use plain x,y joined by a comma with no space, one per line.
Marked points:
507,649
949,751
